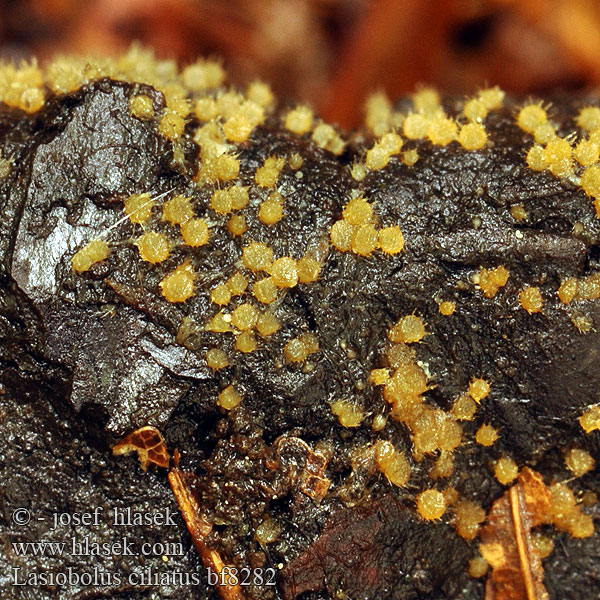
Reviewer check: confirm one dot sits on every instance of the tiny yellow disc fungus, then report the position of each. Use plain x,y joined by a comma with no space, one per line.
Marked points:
536,158
479,389
177,210
95,251
284,272
153,247
579,462
408,329
442,130
391,463
506,470
590,181
237,284
229,398
589,118
586,153
348,413
195,232
265,290
267,324
246,342
217,359
358,211
447,308
257,256
237,225
299,120
308,269
171,125
341,235
531,300
468,517
431,505
590,419
244,316
472,136
530,116
486,435
464,408
391,240
178,286
138,208
365,240
478,567
271,210
220,294
141,107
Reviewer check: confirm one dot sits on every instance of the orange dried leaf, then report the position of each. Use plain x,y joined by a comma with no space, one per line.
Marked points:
149,445
517,572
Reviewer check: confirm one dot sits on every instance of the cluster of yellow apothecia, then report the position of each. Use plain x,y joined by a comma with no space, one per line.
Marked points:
223,119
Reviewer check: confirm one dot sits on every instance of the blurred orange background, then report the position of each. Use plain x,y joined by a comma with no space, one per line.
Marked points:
332,53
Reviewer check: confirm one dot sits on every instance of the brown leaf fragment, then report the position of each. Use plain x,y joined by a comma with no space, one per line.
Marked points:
149,444
507,545
199,527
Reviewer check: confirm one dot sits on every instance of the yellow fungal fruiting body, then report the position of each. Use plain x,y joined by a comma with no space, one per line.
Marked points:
590,419
506,470
195,232
308,269
358,211
142,107
298,349
464,408
229,398
299,120
447,308
479,389
217,359
220,295
531,300
237,225
284,272
536,158
246,342
267,175
177,210
589,118
364,240
441,131
203,75
138,207
586,153
472,136
271,210
171,125
265,290
257,256
95,251
391,463
341,234
566,513
267,324
391,240
153,247
486,435
408,329
468,517
478,567
237,284
490,281
244,316
348,414
530,117
431,505
178,286
579,462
